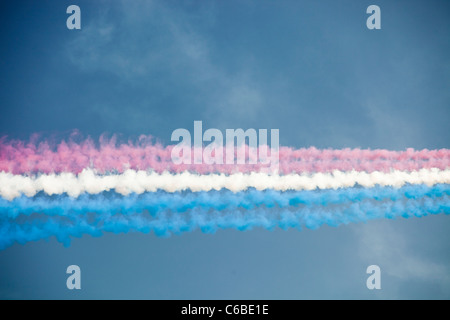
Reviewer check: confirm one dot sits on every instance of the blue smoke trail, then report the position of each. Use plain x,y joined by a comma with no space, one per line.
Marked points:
30,219
155,202
165,223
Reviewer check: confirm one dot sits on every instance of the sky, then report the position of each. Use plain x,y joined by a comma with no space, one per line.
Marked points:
311,69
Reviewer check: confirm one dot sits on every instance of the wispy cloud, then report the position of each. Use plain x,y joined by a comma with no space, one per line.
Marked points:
385,245
143,43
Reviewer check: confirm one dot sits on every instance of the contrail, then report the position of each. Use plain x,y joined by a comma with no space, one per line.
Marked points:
157,202
70,189
107,156
166,222
131,181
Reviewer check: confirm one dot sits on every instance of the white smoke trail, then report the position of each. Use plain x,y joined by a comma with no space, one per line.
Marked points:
131,181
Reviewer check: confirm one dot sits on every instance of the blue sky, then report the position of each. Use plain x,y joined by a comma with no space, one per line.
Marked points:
308,68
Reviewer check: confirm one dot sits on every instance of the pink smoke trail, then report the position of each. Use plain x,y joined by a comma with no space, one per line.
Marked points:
19,157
